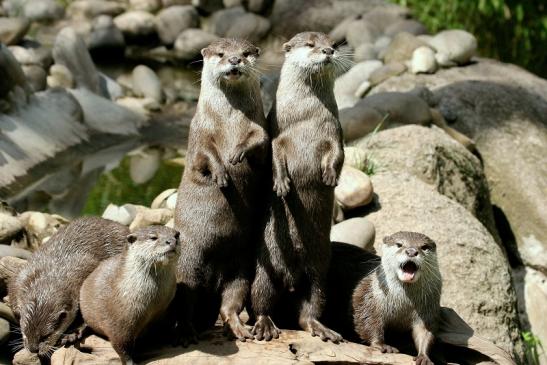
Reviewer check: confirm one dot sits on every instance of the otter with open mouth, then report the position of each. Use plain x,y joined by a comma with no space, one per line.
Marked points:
398,293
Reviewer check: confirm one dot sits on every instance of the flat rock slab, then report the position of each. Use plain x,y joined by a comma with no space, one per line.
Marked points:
293,347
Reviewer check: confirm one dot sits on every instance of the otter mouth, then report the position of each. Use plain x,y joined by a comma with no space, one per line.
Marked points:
408,271
233,74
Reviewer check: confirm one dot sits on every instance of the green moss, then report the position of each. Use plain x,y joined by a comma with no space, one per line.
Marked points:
117,187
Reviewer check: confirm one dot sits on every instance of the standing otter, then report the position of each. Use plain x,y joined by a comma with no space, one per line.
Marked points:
44,295
307,153
368,296
218,196
127,292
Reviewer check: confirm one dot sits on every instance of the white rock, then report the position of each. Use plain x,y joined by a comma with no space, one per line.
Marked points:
123,215
171,201
142,106
136,23
359,232
146,83
354,188
347,84
146,5
190,42
170,22
423,61
60,76
144,164
146,217
363,89
9,226
454,46
161,200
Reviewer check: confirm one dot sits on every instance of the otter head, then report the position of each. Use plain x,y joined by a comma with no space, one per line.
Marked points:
45,315
156,244
311,51
230,61
408,254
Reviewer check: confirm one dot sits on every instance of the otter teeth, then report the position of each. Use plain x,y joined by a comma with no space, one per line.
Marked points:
409,270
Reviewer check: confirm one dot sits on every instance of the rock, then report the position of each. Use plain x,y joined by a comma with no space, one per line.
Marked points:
146,83
170,22
6,250
43,10
103,115
405,25
423,61
454,46
106,40
161,200
70,51
40,226
146,217
338,34
12,30
381,45
354,188
355,231
150,6
361,31
385,72
362,90
168,3
436,159
365,52
60,76
358,121
293,347
9,227
190,42
136,23
90,9
384,15
36,77
24,357
237,23
208,6
259,6
4,331
144,164
532,296
475,271
139,105
355,157
110,88
25,56
346,85
402,47
11,74
123,215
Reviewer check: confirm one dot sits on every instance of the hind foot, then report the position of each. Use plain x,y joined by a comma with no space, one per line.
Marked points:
238,330
265,329
386,349
316,328
423,360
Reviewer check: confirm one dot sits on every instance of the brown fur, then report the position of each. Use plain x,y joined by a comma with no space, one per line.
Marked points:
129,291
216,210
307,155
45,294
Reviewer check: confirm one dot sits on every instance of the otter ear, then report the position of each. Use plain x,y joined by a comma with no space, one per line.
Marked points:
131,238
388,240
177,235
258,50
287,47
204,51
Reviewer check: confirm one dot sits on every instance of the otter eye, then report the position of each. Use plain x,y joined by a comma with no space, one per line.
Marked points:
310,44
153,237
246,54
426,247
220,54
399,244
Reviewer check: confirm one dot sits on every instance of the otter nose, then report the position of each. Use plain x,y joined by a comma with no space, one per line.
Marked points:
411,252
234,60
328,51
33,347
171,242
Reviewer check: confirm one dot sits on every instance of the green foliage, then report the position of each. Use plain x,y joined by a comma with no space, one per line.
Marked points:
509,30
532,348
117,187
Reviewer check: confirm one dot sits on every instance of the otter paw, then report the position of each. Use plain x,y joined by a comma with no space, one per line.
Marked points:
238,155
239,331
220,178
386,349
423,360
265,329
324,333
186,336
281,186
329,176
70,339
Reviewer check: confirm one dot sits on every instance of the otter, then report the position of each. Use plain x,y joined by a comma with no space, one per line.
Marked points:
44,295
218,196
369,296
131,290
307,156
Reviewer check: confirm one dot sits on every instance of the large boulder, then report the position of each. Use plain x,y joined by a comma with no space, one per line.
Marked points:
237,23
503,108
12,30
475,270
438,160
170,22
190,42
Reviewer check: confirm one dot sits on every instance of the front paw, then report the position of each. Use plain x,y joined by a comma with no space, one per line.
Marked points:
423,360
265,329
386,349
238,155
330,176
316,328
220,178
281,186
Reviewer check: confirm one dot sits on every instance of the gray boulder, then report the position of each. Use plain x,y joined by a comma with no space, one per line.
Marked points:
136,23
170,22
237,23
36,77
12,30
401,48
454,47
208,6
146,83
105,38
43,10
355,231
11,74
90,9
347,84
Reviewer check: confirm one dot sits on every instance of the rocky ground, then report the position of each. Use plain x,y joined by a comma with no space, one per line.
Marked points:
483,203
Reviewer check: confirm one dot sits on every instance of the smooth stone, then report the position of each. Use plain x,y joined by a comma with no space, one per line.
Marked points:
338,33
142,106
150,6
36,77
12,30
361,31
143,165
171,202
365,52
384,15
110,88
136,23
354,188
406,25
123,215
359,232
385,72
146,83
40,226
208,6
24,56
337,214
43,10
237,23
9,227
71,51
423,61
60,76
170,22
401,48
11,73
161,200
6,250
91,9
381,44
146,217
363,89
168,3
105,35
454,46
347,84
24,357
190,42
258,6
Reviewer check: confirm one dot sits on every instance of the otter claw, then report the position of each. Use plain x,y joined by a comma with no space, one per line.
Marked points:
281,186
423,360
329,176
221,179
237,156
265,329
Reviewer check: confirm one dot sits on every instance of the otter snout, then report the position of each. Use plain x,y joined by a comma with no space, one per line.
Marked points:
234,60
329,51
411,252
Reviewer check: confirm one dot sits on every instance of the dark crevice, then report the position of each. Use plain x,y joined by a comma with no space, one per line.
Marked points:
507,237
